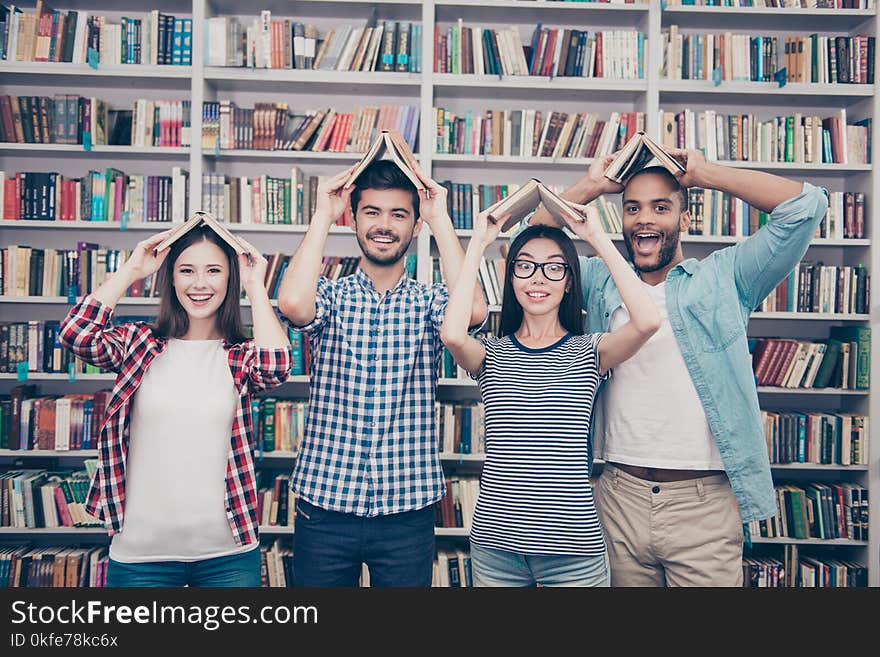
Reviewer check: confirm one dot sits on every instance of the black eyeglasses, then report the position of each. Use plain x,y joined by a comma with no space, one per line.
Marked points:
553,271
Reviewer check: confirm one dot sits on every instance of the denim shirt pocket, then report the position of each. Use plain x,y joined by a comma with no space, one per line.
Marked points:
714,323
598,309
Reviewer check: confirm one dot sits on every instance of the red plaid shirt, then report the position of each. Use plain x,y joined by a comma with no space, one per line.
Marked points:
128,350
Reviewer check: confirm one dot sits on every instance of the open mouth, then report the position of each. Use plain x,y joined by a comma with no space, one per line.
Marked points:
537,295
382,240
200,299
646,241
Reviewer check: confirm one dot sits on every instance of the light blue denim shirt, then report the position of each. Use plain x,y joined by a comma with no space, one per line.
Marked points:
709,302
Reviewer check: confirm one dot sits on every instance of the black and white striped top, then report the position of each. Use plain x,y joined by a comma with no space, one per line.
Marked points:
535,493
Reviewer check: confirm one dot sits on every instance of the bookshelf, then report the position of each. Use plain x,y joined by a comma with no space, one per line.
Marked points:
427,90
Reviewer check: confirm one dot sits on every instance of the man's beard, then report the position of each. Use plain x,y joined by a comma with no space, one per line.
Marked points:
388,259
668,249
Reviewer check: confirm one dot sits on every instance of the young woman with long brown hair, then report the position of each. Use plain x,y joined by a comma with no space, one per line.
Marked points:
175,484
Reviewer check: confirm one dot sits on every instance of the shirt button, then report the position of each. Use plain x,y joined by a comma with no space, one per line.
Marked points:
375,424
656,489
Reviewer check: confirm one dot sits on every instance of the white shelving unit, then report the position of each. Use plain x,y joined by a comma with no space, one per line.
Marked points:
309,89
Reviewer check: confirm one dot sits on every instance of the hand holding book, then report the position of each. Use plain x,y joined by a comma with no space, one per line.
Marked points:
487,226
144,260
590,228
695,165
596,175
252,269
432,200
333,198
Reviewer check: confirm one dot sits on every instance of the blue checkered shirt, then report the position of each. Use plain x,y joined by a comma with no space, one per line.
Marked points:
369,446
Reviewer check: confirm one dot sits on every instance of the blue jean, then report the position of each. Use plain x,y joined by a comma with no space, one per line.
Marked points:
492,567
234,570
329,547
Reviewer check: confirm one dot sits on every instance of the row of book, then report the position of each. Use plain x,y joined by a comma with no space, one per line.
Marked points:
531,133
33,422
42,498
106,196
491,276
744,57
73,119
452,569
780,4
109,195
816,288
35,343
712,212
718,213
276,502
49,35
817,510
72,422
279,423
28,271
465,200
460,428
44,567
262,199
155,123
284,43
86,567
744,137
821,438
803,571
276,564
552,52
456,509
841,361
31,272
272,126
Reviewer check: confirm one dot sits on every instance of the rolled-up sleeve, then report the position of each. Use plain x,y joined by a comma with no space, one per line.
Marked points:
768,256
323,308
268,368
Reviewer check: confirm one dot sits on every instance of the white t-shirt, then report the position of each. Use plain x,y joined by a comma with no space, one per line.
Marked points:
650,414
175,481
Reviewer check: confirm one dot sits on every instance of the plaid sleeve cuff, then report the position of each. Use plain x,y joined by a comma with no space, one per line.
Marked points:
323,303
315,324
270,367
91,310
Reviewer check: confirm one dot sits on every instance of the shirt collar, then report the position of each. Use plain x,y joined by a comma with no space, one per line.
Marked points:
689,266
360,276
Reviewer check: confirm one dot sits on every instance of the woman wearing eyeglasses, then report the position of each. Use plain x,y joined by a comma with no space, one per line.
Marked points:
535,521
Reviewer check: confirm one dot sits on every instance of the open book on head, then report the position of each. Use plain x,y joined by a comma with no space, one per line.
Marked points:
530,196
195,221
639,153
399,152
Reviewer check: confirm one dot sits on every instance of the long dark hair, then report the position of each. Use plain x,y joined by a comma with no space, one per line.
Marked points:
172,320
570,309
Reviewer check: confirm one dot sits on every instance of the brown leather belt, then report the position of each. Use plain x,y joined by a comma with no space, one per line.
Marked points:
663,474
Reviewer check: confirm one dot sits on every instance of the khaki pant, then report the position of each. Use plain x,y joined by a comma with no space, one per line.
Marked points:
680,533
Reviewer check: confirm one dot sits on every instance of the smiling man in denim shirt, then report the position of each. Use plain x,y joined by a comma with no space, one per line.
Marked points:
679,423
